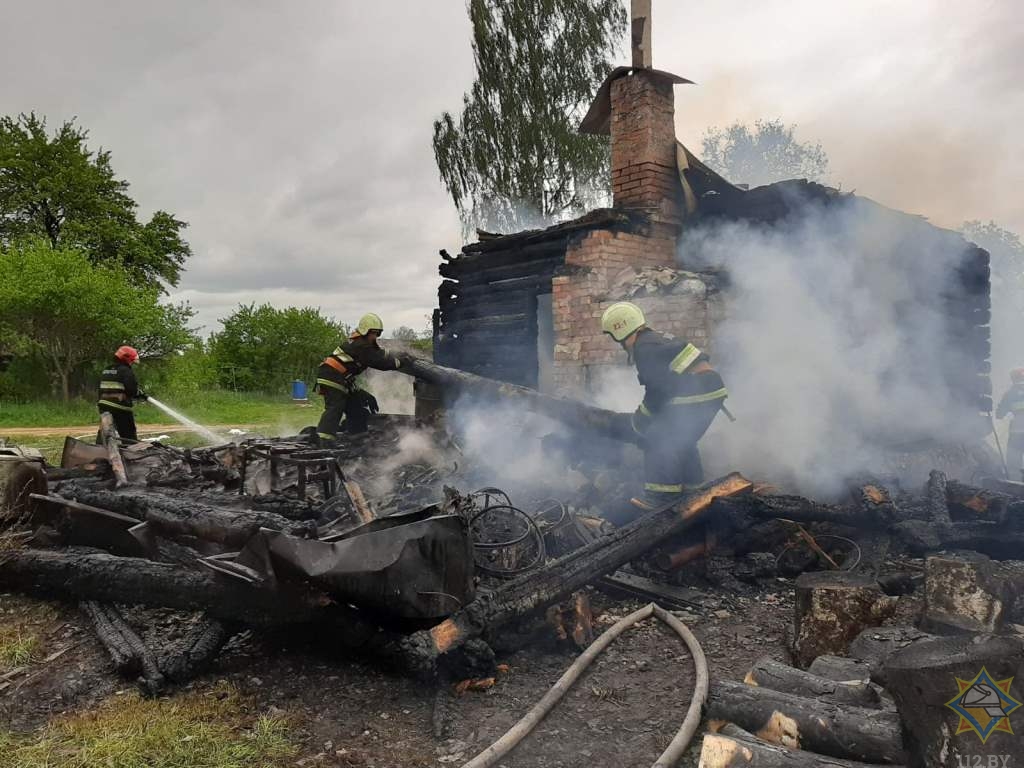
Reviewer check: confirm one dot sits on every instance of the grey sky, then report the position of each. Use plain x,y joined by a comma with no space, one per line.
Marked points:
295,137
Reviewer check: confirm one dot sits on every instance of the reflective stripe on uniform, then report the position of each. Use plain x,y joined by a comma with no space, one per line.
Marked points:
643,409
112,385
118,406
326,435
632,423
332,385
342,355
684,359
663,488
718,394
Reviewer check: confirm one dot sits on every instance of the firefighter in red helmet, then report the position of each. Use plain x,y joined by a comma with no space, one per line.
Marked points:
118,391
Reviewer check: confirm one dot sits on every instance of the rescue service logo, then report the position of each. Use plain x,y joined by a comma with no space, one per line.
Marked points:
984,705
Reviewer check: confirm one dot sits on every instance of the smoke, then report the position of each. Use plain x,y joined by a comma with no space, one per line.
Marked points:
514,449
835,342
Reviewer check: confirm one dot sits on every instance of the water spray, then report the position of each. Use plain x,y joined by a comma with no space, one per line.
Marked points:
181,418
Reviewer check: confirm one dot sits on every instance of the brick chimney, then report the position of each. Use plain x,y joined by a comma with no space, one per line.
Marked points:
644,172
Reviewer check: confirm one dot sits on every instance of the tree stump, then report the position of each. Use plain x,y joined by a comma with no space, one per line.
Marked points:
722,751
767,673
964,592
832,608
838,730
982,677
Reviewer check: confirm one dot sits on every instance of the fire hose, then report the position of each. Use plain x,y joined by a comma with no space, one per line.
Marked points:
531,719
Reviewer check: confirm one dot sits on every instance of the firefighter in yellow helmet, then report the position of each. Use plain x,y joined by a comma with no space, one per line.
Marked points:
682,395
336,379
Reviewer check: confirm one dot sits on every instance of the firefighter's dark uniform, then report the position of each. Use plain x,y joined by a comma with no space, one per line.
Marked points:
336,380
1013,403
677,409
118,391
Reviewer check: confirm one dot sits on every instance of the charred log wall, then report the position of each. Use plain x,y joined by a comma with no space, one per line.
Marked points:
486,316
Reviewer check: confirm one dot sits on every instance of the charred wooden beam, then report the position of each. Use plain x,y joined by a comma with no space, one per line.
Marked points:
842,731
183,517
840,668
198,650
112,443
768,673
555,581
108,578
571,412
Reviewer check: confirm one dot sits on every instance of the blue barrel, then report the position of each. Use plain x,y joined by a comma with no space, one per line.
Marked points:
298,390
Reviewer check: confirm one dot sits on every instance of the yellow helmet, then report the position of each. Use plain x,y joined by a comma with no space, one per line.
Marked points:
370,322
622,319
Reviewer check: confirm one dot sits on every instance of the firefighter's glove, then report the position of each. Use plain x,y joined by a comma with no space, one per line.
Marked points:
405,359
370,402
143,396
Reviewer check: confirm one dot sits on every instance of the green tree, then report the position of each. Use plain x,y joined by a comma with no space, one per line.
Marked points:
513,158
264,348
768,153
60,306
404,333
57,188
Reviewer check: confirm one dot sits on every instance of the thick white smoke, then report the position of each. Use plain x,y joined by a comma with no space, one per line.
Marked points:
835,343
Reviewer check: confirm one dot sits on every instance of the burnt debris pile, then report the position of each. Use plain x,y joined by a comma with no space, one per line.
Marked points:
394,544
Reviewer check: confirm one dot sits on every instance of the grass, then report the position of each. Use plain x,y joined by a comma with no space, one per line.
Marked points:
208,407
212,729
20,642
18,650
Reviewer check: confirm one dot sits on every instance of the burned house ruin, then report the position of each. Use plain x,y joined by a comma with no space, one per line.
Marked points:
525,307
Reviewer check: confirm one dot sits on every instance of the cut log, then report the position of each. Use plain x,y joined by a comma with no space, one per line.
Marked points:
719,750
875,646
108,578
112,443
181,517
964,592
840,668
932,680
555,581
850,732
768,673
831,609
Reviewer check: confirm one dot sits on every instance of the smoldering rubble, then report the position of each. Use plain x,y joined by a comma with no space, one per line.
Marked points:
425,541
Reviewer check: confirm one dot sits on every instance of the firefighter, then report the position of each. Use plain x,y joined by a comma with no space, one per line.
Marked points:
1013,402
682,395
336,379
118,391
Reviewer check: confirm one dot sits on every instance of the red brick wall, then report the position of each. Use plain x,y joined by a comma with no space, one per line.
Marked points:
581,296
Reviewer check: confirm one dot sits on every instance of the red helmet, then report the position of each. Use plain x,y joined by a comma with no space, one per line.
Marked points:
1017,374
127,355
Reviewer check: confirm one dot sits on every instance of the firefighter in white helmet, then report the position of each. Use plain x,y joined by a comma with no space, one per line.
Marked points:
683,394
336,379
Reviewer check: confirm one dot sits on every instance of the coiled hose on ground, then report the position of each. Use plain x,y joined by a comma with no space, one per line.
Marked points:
683,736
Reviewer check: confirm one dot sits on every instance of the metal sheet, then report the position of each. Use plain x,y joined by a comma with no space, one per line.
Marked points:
416,569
